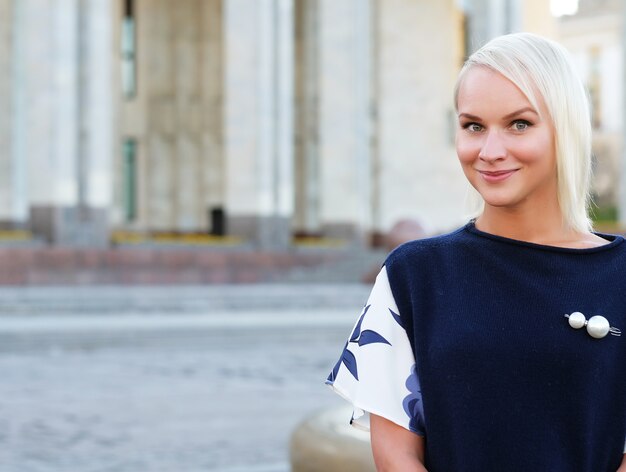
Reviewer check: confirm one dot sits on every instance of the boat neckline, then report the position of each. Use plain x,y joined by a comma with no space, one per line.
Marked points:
614,240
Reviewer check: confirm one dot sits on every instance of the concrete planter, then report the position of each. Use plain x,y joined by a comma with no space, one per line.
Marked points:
325,442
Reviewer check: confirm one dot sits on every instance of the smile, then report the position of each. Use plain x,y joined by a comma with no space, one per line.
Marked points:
496,176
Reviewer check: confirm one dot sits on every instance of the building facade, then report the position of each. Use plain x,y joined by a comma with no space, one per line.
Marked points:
262,119
595,37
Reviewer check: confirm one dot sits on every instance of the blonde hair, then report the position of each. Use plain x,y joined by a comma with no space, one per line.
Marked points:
543,69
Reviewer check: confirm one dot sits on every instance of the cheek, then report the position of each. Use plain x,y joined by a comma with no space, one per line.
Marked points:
538,151
466,151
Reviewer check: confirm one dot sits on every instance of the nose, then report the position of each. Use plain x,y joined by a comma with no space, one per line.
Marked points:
493,147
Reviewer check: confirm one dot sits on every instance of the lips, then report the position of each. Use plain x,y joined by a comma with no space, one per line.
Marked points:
498,175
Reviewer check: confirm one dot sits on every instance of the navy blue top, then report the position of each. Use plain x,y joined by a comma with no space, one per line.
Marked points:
506,383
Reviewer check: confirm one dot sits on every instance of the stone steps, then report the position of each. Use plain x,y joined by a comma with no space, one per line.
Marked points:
93,300
181,266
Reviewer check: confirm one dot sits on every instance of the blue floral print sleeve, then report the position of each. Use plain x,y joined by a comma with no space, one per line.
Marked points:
376,370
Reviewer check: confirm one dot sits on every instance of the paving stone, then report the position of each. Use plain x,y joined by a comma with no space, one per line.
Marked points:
183,390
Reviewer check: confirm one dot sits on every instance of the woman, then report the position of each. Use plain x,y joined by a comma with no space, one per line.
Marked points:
480,350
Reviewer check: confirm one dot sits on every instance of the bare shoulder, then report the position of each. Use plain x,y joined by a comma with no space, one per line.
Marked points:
590,240
580,241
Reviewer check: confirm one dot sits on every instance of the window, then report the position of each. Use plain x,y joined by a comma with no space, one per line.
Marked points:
129,174
595,86
129,51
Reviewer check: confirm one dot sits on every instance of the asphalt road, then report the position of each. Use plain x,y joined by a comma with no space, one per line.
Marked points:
162,390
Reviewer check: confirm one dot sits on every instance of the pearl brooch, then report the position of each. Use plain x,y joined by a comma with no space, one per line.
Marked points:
597,326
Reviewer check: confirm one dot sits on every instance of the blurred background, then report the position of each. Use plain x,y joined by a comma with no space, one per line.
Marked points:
196,194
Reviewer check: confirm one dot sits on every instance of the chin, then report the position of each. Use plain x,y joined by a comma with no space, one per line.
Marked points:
500,201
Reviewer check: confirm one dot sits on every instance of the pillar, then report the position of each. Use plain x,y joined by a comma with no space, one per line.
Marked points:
344,114
63,117
419,176
97,115
258,126
13,199
490,18
306,153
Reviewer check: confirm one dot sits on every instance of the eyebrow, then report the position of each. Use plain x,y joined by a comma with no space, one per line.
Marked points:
504,118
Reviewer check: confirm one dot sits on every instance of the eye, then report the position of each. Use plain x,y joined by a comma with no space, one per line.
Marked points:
520,125
473,127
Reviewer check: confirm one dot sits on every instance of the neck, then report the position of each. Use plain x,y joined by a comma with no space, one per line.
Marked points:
524,224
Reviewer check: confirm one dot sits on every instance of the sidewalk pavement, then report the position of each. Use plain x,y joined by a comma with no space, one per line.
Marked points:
164,384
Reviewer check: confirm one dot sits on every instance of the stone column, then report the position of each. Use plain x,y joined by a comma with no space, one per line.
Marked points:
97,116
490,18
258,128
13,198
62,117
284,91
419,175
344,117
307,188
365,123
6,59
48,112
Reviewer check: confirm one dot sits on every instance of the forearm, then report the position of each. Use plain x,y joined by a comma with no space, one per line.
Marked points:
396,449
622,467
400,464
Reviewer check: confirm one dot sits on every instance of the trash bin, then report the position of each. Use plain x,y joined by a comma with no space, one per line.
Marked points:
217,217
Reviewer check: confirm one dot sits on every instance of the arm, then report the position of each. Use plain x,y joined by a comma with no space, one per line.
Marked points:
622,467
397,449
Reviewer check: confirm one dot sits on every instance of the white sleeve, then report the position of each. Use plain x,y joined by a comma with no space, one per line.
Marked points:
376,371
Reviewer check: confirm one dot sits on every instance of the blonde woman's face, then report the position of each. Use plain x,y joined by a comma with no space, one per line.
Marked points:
505,147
